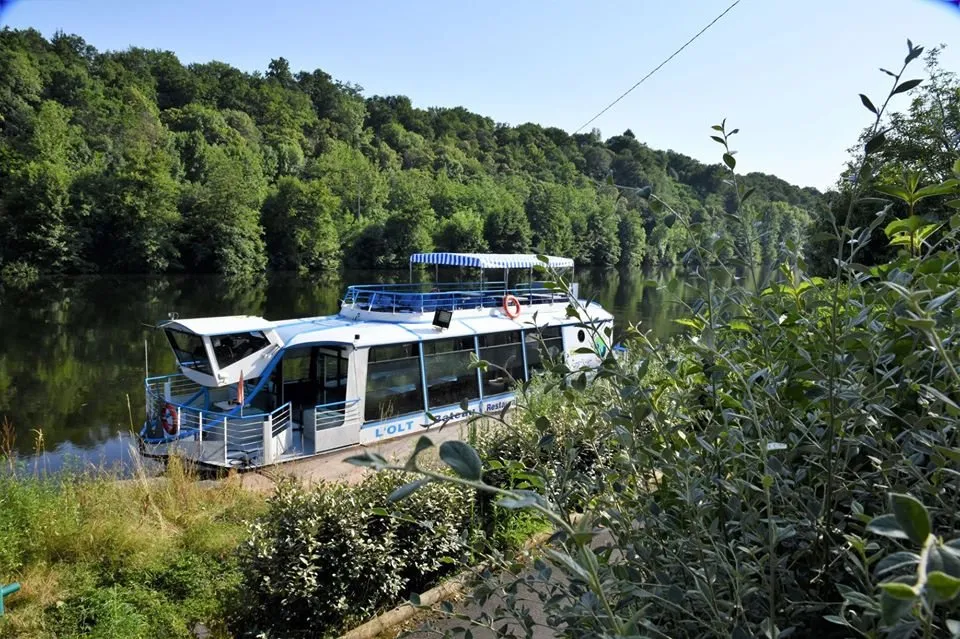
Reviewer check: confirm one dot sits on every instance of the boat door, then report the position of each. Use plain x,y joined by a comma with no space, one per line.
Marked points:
312,376
314,381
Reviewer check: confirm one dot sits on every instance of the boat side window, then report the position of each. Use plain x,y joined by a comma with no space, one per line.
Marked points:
504,352
548,342
449,376
229,349
394,386
189,349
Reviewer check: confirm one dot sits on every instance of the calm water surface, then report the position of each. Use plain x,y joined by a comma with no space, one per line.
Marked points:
72,350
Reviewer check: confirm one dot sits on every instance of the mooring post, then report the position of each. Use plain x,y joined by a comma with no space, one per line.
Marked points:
7,590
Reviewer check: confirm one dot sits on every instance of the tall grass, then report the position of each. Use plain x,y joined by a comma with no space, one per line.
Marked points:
102,557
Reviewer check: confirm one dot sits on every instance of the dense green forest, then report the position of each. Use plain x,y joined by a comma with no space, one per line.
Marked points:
132,162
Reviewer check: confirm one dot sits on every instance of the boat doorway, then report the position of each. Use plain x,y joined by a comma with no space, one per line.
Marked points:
310,376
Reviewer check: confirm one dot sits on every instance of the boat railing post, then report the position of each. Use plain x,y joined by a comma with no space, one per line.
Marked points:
226,454
268,440
179,420
200,429
167,393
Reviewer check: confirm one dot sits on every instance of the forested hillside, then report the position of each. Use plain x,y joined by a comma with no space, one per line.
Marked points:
132,162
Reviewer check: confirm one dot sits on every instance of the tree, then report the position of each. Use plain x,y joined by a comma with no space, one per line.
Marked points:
298,226
132,199
222,231
353,178
462,232
508,231
279,70
926,137
410,227
633,238
549,223
35,201
603,230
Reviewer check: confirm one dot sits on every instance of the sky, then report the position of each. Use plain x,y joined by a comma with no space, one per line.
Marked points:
785,72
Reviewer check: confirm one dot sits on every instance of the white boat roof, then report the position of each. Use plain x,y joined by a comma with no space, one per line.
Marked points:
221,325
491,260
337,329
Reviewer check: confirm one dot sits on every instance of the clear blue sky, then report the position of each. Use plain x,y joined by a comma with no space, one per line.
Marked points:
786,72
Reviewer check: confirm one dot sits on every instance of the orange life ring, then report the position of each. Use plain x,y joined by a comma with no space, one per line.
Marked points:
509,300
170,420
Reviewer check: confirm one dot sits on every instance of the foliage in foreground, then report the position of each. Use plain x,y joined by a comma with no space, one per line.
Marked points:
751,464
331,555
139,558
325,557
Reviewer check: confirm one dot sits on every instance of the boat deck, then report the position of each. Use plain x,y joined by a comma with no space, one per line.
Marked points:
455,296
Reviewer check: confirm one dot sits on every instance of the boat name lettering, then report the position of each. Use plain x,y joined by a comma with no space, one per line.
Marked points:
394,429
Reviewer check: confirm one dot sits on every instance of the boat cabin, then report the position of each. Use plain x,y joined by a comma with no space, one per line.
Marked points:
397,358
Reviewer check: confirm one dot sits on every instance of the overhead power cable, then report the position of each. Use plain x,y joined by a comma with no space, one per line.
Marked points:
658,67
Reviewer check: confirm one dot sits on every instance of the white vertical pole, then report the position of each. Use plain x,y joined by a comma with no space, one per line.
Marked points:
166,390
268,440
226,460
200,436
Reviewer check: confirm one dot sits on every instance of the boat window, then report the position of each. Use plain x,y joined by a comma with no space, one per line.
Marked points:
547,341
449,376
296,365
189,349
394,386
504,352
229,349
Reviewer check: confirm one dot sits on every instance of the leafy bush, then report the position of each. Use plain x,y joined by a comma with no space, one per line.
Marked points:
743,461
325,557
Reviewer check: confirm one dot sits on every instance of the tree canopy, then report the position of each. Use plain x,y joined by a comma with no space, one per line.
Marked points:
130,161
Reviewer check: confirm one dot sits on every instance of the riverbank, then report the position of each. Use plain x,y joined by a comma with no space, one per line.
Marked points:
166,555
101,558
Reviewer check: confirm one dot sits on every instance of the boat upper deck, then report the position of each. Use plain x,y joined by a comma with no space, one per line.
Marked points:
456,296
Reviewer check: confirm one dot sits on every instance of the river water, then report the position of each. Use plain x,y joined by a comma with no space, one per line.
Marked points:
72,349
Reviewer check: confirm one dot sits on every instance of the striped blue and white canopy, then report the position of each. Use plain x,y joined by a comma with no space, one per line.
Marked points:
490,260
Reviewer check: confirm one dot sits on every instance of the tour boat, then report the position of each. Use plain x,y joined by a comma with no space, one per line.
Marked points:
396,359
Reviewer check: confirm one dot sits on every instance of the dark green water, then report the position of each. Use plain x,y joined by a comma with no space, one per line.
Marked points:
72,350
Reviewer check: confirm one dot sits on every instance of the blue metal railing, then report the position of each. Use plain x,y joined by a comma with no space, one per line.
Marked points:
5,591
193,420
427,297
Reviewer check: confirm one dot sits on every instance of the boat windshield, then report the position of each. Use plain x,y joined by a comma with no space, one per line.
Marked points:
189,349
229,349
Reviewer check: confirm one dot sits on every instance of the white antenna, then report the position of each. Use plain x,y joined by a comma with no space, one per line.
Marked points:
146,359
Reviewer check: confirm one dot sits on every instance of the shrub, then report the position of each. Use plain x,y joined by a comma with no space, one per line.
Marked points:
328,556
744,460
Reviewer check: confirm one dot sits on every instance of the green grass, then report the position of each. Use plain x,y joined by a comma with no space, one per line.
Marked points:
517,527
97,557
